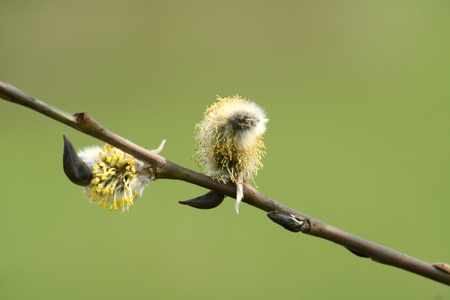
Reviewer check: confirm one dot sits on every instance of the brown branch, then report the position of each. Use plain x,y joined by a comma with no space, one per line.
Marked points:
285,216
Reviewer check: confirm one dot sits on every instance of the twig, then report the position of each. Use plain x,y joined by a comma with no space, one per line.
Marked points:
279,213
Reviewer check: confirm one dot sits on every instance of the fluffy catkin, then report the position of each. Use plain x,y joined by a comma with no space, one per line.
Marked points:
229,141
118,180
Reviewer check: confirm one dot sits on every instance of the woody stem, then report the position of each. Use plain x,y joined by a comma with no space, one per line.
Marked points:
168,170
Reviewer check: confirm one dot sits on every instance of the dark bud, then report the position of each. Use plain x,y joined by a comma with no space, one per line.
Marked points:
74,167
357,253
288,221
207,201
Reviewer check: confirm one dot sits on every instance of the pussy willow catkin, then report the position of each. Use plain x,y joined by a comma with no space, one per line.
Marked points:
118,179
229,141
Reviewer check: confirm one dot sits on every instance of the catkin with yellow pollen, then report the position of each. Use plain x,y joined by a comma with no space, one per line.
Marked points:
229,141
118,178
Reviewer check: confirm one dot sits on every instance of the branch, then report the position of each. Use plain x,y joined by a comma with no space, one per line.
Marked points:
285,216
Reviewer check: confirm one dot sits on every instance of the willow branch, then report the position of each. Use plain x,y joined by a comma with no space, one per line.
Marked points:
281,214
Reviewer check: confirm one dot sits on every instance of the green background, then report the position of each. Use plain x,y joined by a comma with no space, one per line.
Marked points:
357,94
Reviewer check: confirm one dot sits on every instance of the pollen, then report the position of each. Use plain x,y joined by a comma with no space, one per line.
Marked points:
118,179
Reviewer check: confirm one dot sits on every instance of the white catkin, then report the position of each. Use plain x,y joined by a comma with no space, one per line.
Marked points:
229,141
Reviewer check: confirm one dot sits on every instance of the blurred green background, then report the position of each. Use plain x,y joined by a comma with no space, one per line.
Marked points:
357,94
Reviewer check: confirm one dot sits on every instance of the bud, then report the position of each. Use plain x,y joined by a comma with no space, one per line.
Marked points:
207,201
288,221
74,167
